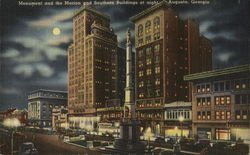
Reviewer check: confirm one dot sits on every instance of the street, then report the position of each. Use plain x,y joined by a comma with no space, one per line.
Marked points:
45,144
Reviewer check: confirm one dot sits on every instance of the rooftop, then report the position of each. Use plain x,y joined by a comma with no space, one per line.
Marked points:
218,72
45,90
178,104
162,4
92,10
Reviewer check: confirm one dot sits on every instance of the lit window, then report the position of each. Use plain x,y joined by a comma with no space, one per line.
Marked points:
203,101
157,70
228,100
157,81
141,84
217,115
198,89
198,101
148,61
203,88
222,115
222,100
208,87
244,114
208,115
140,63
149,71
208,101
141,95
237,114
203,115
217,100
228,115
237,84
198,115
140,73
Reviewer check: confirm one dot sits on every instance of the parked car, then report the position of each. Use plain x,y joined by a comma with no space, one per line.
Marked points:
66,139
202,143
28,148
159,140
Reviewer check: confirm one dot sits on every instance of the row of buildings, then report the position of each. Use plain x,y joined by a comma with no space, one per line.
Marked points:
176,90
167,48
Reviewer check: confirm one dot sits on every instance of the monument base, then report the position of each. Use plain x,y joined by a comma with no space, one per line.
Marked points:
129,141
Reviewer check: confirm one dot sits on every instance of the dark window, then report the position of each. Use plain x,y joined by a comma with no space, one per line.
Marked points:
237,99
227,85
221,86
140,30
216,87
244,99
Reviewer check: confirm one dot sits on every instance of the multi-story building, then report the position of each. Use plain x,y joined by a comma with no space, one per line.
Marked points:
178,119
221,103
167,48
92,65
40,105
59,118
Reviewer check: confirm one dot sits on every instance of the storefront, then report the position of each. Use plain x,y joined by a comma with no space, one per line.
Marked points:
204,133
176,131
222,134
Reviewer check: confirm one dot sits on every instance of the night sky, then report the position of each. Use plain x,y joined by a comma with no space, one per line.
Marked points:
33,58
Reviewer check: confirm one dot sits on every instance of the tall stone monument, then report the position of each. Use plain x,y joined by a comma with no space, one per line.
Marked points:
129,141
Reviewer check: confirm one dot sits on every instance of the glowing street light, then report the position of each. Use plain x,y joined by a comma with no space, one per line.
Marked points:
181,119
12,123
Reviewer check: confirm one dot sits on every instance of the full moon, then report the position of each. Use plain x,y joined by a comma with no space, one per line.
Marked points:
56,31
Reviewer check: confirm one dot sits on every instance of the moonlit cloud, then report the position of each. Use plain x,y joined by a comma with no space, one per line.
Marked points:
59,40
224,57
44,70
12,53
48,21
25,70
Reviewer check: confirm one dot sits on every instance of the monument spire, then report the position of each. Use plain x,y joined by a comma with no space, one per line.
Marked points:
129,106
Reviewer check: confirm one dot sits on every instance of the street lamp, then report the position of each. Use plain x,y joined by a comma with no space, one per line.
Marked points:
12,123
181,119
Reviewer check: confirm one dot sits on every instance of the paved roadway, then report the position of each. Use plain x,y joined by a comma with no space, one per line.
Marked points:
52,145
